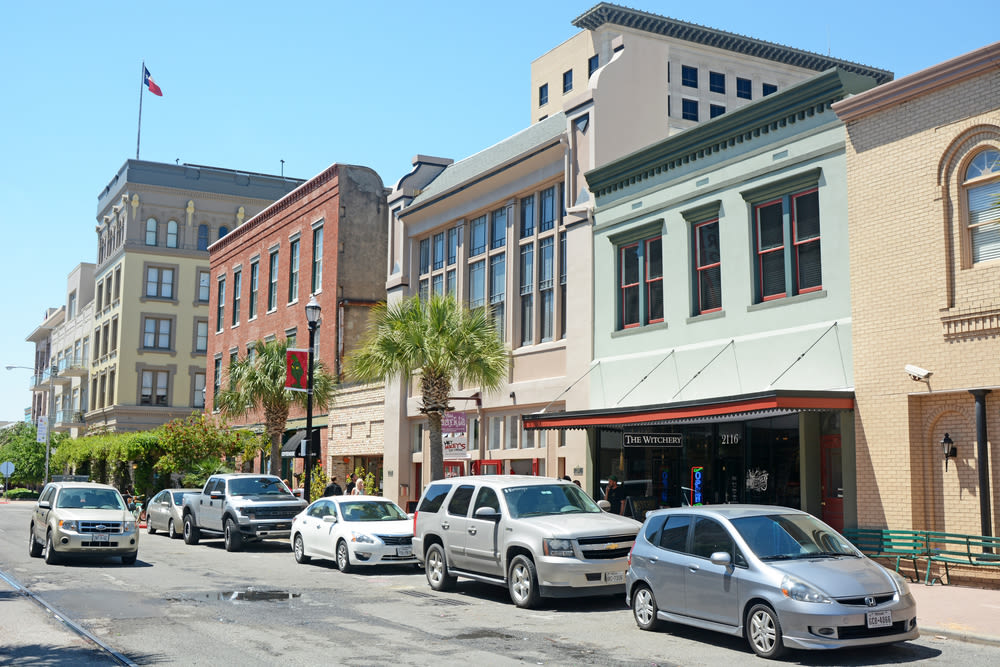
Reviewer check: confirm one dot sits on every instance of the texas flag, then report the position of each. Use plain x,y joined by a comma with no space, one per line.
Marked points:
148,80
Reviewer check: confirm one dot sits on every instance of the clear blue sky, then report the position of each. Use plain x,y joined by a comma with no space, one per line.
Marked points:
248,84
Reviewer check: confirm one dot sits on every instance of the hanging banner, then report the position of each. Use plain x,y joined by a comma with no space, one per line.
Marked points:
454,435
454,422
296,370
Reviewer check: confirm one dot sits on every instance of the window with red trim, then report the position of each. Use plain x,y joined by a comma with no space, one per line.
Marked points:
787,245
629,286
654,280
805,223
708,266
640,283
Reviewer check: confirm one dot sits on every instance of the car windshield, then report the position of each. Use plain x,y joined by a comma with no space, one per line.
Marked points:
372,510
91,499
257,486
179,497
786,536
541,499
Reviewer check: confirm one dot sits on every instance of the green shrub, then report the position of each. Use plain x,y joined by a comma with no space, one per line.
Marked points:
22,494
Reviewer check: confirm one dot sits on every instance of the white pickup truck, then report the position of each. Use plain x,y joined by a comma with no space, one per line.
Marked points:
240,507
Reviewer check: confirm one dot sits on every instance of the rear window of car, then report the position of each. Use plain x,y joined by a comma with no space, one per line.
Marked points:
460,500
675,532
434,497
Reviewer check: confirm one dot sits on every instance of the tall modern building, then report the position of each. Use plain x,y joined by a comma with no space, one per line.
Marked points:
149,332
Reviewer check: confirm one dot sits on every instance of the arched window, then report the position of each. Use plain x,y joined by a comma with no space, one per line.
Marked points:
982,184
223,231
172,234
202,237
151,231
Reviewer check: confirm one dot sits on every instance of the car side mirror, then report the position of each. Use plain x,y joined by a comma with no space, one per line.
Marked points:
217,495
487,513
44,504
721,558
604,505
330,518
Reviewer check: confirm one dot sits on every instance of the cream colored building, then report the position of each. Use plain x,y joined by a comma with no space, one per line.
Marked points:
682,74
149,331
923,167
70,352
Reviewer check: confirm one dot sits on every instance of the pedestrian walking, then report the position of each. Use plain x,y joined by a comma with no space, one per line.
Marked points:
333,489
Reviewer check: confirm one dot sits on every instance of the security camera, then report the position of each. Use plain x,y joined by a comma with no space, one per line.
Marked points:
917,373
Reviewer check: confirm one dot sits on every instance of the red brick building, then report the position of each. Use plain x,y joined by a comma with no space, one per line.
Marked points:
327,237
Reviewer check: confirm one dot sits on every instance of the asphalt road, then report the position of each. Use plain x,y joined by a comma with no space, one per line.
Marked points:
199,605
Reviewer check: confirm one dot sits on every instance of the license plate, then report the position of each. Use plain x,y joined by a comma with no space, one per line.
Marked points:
879,619
614,577
404,551
98,538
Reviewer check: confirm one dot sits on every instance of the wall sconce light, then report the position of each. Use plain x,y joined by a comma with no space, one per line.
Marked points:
948,445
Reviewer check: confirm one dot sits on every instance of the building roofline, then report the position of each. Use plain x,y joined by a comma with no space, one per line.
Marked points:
806,98
609,13
936,77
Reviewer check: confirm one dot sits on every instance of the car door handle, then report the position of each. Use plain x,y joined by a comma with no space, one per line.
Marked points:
445,525
694,568
472,530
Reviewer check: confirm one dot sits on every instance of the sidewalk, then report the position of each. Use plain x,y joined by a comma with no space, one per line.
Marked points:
30,635
958,612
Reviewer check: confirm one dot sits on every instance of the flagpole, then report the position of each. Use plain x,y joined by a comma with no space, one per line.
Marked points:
142,84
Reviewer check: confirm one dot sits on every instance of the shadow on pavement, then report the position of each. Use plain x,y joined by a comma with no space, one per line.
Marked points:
38,655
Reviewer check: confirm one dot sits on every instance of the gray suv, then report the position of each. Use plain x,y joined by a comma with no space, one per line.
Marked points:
536,536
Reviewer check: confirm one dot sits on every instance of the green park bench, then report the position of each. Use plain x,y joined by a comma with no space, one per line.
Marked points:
959,549
899,545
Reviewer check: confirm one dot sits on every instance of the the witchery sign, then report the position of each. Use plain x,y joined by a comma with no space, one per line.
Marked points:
651,436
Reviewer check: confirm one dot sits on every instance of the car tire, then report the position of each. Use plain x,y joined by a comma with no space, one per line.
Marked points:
522,582
232,535
436,568
170,530
763,632
149,526
51,556
191,532
644,608
34,548
129,559
299,549
344,558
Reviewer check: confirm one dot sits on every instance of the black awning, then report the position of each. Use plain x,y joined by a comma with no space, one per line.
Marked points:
290,448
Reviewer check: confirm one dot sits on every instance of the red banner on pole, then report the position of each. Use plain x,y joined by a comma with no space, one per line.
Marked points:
296,370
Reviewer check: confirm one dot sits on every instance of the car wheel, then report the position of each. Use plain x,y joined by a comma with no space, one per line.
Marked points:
343,557
34,548
644,608
764,632
522,582
299,548
51,557
191,532
149,526
233,536
170,530
436,567
129,559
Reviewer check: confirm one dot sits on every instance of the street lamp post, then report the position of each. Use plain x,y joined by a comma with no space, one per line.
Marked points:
53,371
313,311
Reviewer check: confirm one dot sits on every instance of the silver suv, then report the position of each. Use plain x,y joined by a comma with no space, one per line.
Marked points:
534,535
82,518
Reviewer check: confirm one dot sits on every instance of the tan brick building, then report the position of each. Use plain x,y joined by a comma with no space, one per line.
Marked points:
923,163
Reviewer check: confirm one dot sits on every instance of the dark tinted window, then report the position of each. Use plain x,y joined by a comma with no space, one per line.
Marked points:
434,497
674,535
487,497
710,536
653,528
459,505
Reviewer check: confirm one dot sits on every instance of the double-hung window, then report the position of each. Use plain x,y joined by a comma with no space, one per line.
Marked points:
787,245
172,234
202,237
982,188
317,260
527,293
204,286
159,282
689,76
717,82
543,94
237,295
293,271
220,304
156,333
498,290
567,81
151,231
540,241
201,336
254,279
272,280
640,282
154,388
592,64
708,267
438,270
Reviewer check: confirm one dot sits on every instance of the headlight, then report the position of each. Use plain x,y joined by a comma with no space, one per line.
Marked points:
68,525
801,591
901,584
363,538
558,547
128,526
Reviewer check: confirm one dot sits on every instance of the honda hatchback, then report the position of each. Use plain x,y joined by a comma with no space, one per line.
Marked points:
777,576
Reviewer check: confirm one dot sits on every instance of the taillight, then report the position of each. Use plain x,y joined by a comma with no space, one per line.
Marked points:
629,561
414,522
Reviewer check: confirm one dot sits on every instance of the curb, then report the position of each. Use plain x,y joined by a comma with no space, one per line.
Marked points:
927,631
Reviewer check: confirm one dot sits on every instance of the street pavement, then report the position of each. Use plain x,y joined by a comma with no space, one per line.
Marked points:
31,635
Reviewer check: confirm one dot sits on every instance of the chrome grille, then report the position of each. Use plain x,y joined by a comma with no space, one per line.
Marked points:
100,526
396,540
606,547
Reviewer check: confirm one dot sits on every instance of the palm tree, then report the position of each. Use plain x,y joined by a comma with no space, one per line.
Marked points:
442,340
258,381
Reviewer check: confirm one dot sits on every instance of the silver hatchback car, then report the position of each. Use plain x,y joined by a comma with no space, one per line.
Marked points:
777,576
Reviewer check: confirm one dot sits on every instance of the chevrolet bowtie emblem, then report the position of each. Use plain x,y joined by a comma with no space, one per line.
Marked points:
611,547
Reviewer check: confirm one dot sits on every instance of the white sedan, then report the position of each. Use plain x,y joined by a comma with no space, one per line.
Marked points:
353,530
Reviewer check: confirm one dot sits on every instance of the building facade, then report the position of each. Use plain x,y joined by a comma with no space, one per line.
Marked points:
326,238
149,332
926,306
70,354
722,322
683,73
